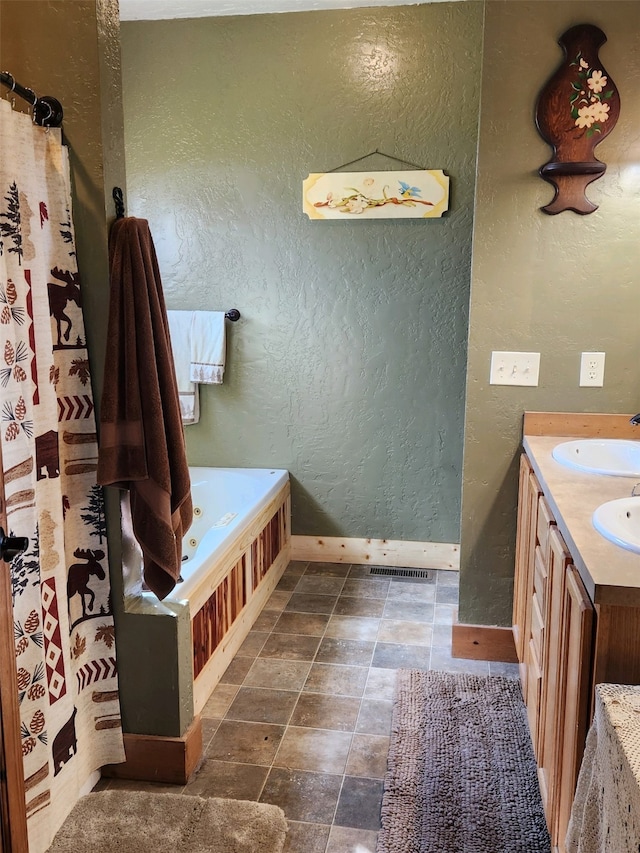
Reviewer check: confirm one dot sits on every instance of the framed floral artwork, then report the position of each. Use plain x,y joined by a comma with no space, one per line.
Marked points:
416,194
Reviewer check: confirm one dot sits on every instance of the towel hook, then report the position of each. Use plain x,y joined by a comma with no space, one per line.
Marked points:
118,198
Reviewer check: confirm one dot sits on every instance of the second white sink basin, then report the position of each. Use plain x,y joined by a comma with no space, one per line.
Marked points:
619,522
614,456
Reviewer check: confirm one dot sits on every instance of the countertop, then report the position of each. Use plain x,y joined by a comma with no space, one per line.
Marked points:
610,574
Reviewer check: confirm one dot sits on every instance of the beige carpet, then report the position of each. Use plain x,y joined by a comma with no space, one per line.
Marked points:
461,774
141,822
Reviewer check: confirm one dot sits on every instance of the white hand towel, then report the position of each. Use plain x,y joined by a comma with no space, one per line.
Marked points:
180,332
208,347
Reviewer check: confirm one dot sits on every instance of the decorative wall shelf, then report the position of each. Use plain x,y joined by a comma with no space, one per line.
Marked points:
576,109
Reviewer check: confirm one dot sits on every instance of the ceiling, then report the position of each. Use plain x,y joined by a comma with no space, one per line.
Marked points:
149,10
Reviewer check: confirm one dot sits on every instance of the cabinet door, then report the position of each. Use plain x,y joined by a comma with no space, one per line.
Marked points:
529,493
549,749
575,683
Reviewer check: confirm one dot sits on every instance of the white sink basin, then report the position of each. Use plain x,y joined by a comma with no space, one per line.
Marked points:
614,456
619,522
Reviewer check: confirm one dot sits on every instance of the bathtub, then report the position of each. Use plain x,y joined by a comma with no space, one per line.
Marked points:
234,554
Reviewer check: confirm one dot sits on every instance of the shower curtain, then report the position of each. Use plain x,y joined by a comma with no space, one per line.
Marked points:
63,623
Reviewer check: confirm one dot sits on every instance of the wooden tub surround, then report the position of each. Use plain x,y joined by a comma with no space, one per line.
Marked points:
223,606
227,603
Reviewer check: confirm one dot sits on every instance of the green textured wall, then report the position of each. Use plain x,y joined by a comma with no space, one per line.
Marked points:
558,285
348,365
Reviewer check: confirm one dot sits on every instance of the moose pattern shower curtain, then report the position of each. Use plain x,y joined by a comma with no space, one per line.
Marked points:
62,614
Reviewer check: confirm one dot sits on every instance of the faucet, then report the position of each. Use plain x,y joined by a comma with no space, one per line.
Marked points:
635,420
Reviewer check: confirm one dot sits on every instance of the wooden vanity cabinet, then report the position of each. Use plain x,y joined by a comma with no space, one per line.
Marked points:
553,631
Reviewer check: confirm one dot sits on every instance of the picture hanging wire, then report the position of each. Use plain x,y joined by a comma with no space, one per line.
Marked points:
382,154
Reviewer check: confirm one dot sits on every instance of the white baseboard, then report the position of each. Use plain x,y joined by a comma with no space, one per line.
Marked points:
376,552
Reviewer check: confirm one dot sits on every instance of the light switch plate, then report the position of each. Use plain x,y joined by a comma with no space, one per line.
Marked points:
514,368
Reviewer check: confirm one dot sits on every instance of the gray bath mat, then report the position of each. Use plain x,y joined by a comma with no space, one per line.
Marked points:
142,822
461,774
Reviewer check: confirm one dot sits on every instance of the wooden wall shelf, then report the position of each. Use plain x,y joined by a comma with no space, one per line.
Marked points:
576,109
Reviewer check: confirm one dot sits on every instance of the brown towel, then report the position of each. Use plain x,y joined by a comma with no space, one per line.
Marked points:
141,436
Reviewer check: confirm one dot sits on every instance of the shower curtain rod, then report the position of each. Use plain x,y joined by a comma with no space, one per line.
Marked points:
47,111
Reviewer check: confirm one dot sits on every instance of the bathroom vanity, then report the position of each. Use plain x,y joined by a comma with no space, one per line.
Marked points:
576,609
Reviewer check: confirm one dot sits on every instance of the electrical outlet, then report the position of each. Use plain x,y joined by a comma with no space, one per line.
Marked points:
592,369
514,368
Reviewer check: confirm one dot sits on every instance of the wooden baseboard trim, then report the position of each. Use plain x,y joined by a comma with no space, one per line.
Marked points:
483,642
159,759
376,552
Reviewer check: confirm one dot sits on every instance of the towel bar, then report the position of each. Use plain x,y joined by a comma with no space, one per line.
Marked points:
232,314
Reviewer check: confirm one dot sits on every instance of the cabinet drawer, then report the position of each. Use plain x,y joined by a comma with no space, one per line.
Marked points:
545,521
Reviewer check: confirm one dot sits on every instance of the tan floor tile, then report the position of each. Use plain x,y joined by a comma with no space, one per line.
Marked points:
303,796
441,636
306,837
236,671
290,647
381,683
320,585
245,743
347,606
261,705
283,674
226,779
343,839
296,567
447,595
288,582
311,624
375,717
398,631
311,602
368,756
445,614
349,652
209,728
353,627
218,703
361,588
412,611
341,680
328,570
412,592
321,711
266,620
252,644
359,804
316,750
278,600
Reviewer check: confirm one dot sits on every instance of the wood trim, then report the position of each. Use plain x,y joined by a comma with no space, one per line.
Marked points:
583,425
206,681
376,552
13,809
483,642
150,758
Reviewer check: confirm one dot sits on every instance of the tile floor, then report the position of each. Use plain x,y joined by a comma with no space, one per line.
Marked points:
302,716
